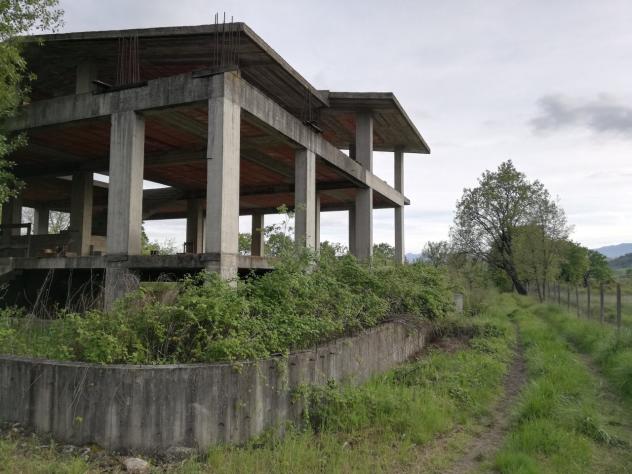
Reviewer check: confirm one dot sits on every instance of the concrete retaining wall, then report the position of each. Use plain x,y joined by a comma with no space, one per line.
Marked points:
151,408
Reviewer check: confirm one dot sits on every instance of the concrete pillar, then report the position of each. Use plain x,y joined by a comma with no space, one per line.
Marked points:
352,233
11,214
125,194
40,220
257,243
222,184
81,212
399,211
305,198
364,139
363,246
317,223
195,225
86,73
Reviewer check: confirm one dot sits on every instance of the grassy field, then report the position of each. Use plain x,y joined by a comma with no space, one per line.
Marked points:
562,422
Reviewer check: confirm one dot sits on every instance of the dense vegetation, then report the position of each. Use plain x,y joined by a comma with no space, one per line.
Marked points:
303,302
622,262
385,425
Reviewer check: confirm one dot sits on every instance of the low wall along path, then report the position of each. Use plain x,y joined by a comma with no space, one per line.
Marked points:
150,408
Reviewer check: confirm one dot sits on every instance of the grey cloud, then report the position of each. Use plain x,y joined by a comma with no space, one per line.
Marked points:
601,115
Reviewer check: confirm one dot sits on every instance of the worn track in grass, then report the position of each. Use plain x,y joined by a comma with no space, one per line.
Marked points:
485,445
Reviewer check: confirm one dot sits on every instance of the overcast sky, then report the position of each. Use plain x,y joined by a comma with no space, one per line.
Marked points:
547,84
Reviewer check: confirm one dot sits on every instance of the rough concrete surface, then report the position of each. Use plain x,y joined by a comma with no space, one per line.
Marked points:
154,408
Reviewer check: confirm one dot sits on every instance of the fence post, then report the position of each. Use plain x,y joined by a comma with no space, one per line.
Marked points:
577,299
618,307
602,311
588,308
559,293
568,296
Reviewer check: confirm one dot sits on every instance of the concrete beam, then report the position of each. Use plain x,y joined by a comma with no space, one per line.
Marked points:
195,226
305,198
81,201
257,242
272,114
125,195
158,93
41,216
399,211
222,185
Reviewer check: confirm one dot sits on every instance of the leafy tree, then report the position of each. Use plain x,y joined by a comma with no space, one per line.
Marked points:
162,248
18,17
574,263
489,218
436,254
245,241
383,252
598,269
58,222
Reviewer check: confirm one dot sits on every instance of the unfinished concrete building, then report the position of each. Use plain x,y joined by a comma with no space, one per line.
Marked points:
218,117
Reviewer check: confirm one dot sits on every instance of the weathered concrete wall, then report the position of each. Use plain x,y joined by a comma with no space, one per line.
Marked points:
151,408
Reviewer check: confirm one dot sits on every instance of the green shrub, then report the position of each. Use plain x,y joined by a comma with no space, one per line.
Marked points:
300,304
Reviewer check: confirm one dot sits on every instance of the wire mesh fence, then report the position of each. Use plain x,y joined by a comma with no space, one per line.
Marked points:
609,304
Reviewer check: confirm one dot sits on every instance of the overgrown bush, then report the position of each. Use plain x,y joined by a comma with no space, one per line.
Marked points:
300,304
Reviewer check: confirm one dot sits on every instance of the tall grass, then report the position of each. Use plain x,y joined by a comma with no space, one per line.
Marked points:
612,351
378,426
559,426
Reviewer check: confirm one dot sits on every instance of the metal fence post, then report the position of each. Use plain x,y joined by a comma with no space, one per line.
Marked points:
577,299
618,307
559,293
602,304
568,296
588,308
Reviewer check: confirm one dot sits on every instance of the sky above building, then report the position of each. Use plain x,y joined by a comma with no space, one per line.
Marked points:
545,84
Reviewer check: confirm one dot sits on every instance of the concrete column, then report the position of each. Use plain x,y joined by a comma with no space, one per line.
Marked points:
352,232
222,188
317,223
305,198
11,214
364,139
40,220
86,73
125,194
195,225
399,211
257,243
363,246
81,212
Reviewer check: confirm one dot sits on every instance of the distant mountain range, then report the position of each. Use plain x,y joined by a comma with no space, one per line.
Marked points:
610,251
614,251
412,257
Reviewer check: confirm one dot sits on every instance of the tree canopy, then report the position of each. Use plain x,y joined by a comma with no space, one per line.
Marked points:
18,17
504,209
